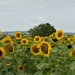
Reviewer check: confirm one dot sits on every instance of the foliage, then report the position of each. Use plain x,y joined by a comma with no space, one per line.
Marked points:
19,60
42,30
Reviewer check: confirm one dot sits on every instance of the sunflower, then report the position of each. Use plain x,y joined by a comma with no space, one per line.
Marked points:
45,48
61,42
59,34
52,44
9,48
18,35
35,49
37,39
7,39
24,41
72,53
7,64
52,35
20,67
2,52
29,36
65,38
46,39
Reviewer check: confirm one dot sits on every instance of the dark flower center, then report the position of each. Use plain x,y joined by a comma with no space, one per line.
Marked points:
24,41
18,35
60,34
35,49
37,39
44,48
0,52
21,68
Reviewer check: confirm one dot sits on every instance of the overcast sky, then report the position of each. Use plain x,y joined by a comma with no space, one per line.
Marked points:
21,15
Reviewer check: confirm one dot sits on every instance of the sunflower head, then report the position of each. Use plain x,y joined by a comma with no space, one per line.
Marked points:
65,37
29,36
72,53
7,64
46,39
20,67
59,34
18,35
52,35
52,44
24,41
9,48
7,39
35,49
37,39
2,52
45,49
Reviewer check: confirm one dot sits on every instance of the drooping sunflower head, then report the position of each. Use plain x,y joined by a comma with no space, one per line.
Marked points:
20,67
9,48
24,41
2,52
46,39
18,35
8,64
59,34
52,44
61,42
7,39
52,35
35,49
72,53
45,49
37,39
65,37
29,36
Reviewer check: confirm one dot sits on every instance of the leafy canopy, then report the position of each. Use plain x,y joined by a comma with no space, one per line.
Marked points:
42,30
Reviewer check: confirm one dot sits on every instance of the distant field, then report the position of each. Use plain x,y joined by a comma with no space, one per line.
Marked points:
25,32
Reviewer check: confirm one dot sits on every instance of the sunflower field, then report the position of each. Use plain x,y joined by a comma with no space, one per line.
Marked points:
49,55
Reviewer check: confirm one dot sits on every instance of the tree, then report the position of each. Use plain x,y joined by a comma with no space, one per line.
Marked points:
42,30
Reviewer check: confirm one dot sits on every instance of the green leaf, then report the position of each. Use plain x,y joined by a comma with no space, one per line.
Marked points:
54,49
52,74
62,47
73,45
69,72
43,65
72,58
9,73
0,72
49,73
38,73
72,66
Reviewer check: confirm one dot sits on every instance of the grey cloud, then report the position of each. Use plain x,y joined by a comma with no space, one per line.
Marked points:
24,14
